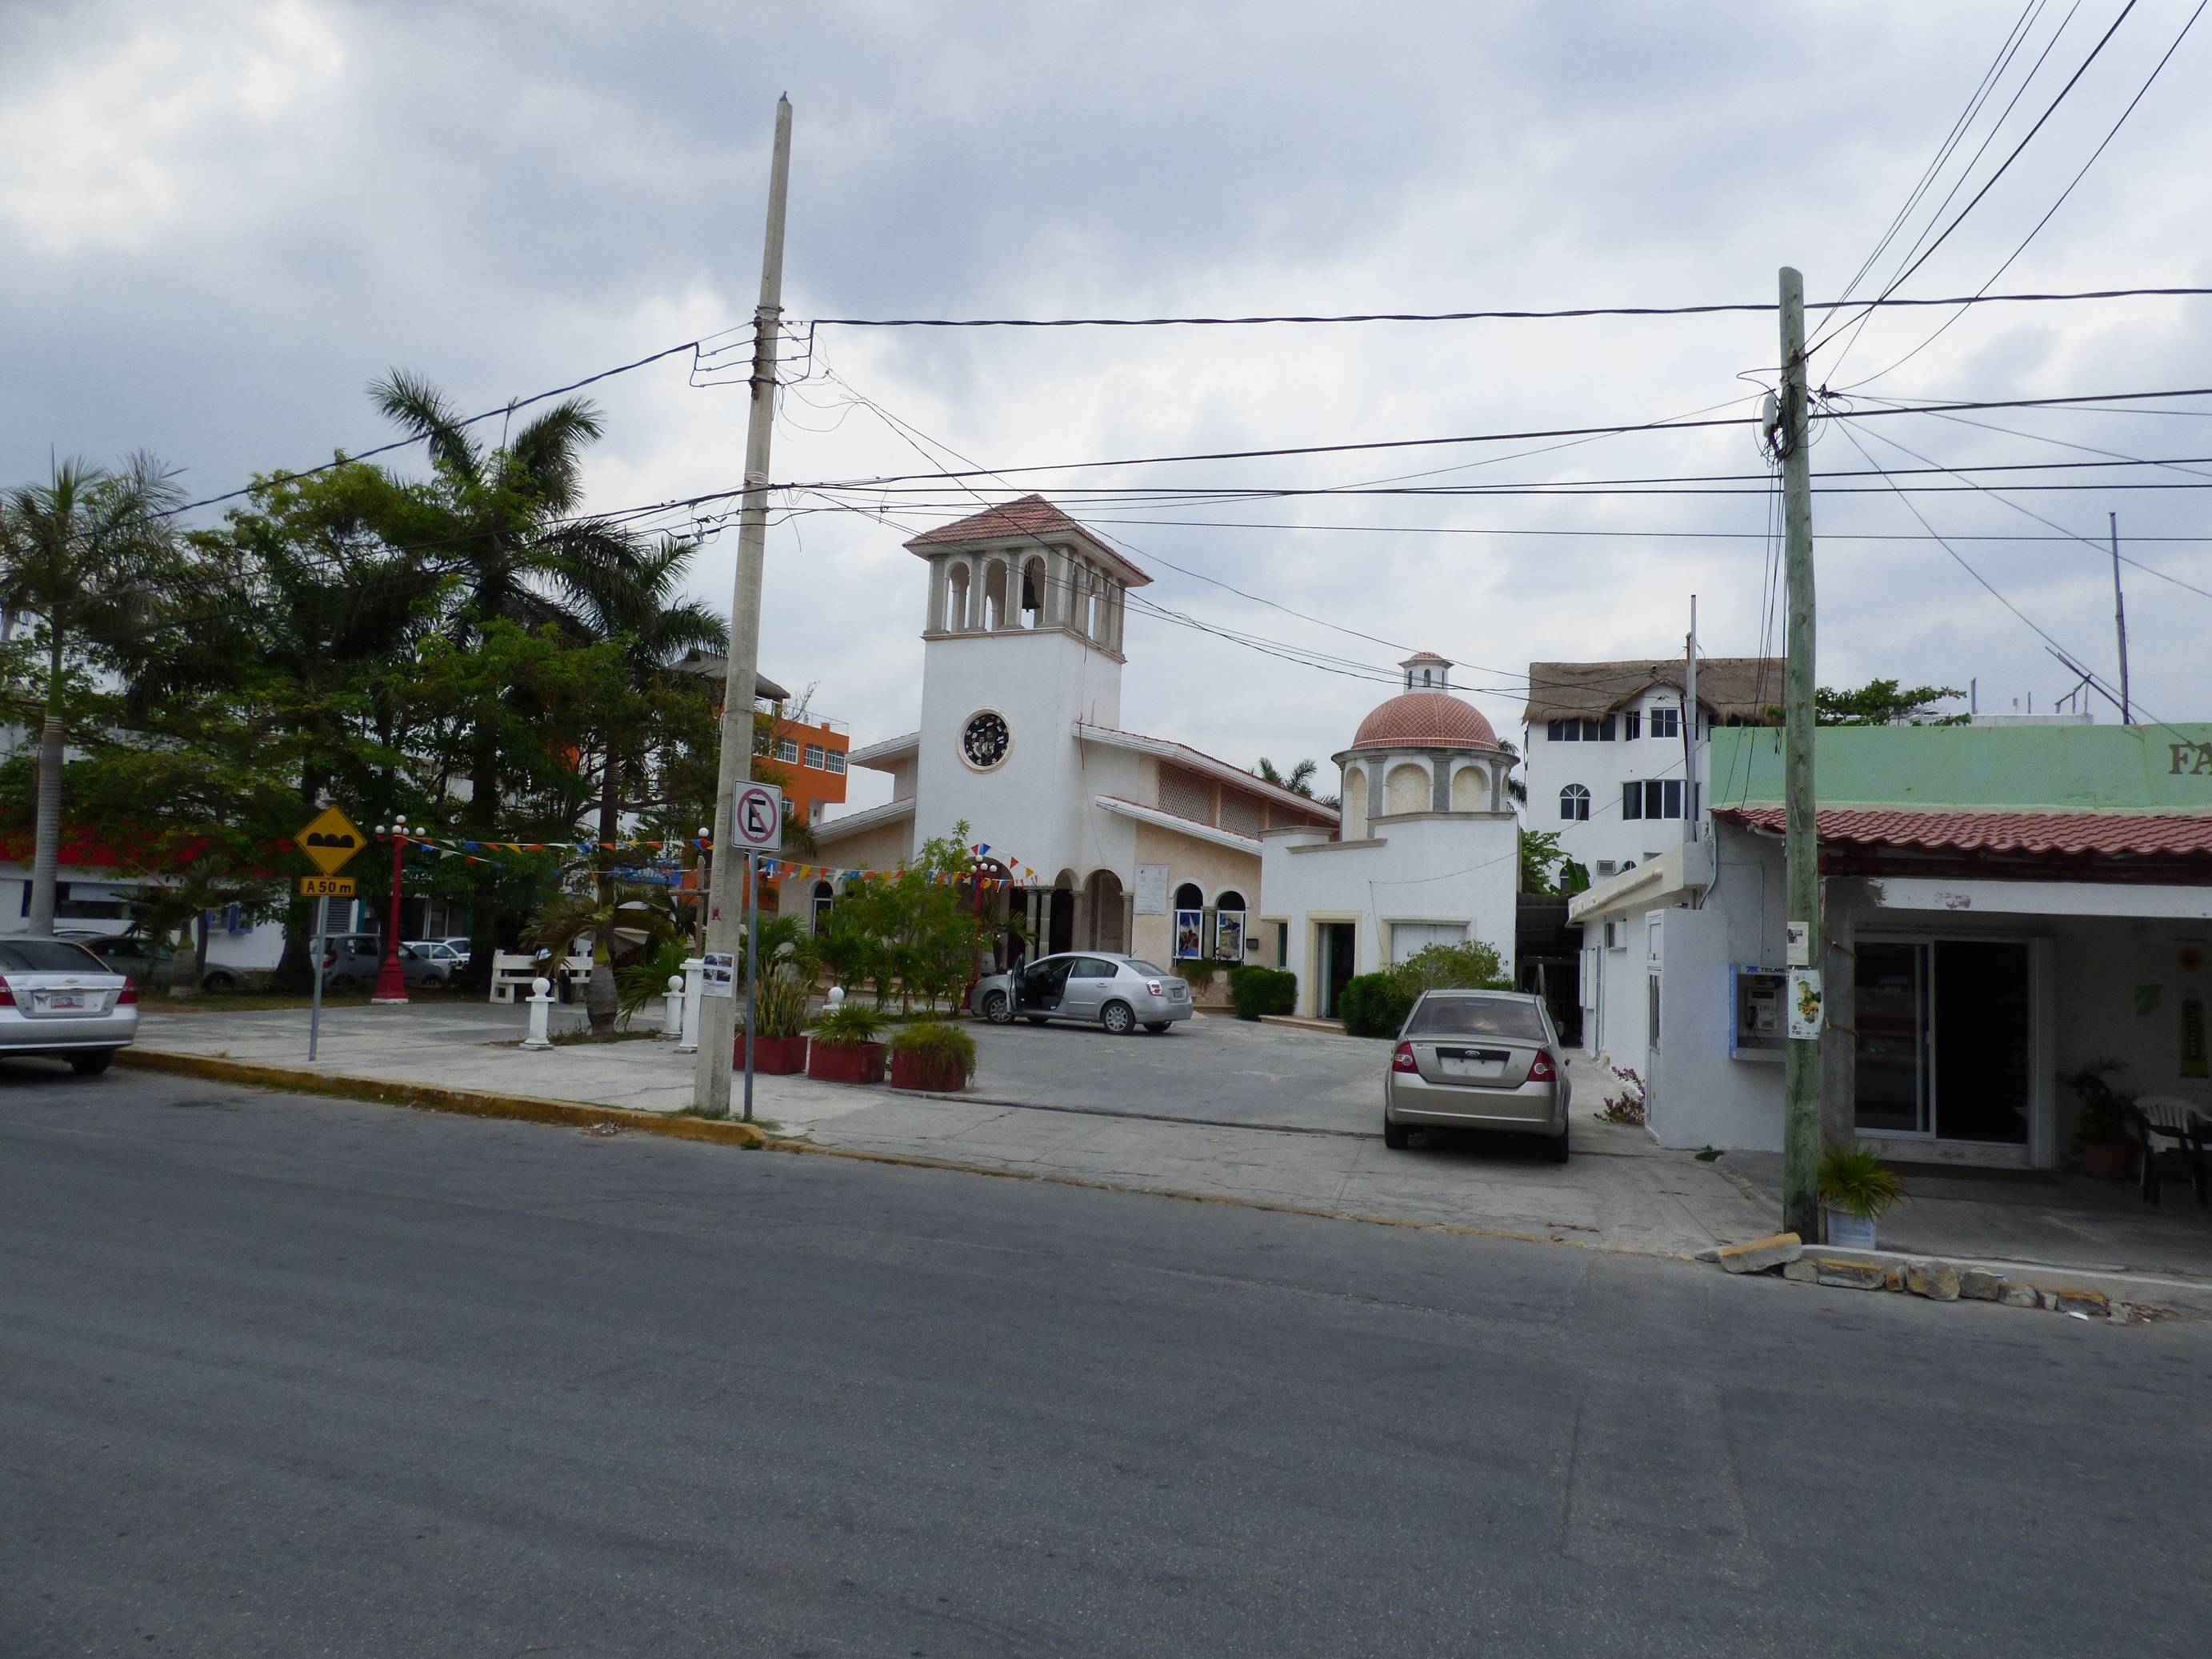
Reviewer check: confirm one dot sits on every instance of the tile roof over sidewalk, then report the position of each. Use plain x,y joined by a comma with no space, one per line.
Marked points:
2062,835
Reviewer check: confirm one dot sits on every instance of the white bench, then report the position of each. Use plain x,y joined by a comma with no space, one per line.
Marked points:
511,974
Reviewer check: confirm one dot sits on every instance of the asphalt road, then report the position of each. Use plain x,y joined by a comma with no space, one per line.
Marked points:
287,1377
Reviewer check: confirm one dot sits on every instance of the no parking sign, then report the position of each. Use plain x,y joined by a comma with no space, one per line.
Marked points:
756,817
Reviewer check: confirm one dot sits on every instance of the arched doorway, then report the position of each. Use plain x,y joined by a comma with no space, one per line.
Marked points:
1059,921
1104,890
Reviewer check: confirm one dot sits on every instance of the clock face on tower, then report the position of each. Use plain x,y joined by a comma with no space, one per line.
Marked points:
985,739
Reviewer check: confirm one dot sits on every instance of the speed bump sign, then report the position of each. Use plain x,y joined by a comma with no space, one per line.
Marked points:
756,817
330,840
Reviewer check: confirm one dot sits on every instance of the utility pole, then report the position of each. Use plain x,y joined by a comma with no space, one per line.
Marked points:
2120,623
718,1015
1690,731
1801,1123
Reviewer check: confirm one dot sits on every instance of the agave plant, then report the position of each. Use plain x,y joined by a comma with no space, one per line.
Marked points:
1853,1180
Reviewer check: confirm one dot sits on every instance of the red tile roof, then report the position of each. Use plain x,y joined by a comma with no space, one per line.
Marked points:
1030,515
2043,834
1426,718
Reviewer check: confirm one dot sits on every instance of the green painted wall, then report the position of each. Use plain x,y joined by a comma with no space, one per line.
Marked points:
2165,769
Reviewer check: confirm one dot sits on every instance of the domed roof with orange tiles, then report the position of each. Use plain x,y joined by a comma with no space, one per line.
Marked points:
1426,719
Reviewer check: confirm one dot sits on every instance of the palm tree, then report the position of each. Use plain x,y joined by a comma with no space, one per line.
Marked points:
558,926
162,909
88,554
1300,782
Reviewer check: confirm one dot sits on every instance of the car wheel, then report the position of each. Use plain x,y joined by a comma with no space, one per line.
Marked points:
1394,1134
1117,1018
1157,1026
999,1009
1556,1149
221,984
92,1062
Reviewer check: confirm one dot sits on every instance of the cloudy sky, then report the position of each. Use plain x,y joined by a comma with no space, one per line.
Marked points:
220,221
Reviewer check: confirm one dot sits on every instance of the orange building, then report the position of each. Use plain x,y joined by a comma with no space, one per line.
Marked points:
808,762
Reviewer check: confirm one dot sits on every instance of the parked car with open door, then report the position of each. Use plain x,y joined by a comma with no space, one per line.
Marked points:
1093,987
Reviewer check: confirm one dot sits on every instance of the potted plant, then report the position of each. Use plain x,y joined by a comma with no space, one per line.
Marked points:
845,1049
779,1025
935,1055
2101,1128
1855,1191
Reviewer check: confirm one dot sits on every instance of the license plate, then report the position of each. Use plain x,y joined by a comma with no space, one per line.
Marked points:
1475,1068
60,1001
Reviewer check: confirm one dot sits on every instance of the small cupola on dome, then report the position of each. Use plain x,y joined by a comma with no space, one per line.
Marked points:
1426,672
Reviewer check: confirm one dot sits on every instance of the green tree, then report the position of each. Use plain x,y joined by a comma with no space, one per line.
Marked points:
1539,851
162,909
88,557
604,913
1298,782
1879,703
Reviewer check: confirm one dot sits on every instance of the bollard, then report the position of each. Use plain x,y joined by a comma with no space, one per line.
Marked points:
541,1009
836,996
671,1017
694,978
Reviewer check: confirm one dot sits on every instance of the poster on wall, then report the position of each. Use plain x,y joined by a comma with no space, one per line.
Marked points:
1152,889
1189,935
1804,1004
1229,936
2190,1057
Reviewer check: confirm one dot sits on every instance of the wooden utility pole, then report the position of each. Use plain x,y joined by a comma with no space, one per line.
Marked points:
718,1015
1801,1123
1690,727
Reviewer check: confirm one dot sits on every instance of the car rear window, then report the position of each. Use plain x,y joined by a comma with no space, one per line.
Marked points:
48,956
1477,1017
1146,969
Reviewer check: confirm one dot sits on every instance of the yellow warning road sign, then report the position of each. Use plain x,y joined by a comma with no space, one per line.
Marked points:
326,887
330,841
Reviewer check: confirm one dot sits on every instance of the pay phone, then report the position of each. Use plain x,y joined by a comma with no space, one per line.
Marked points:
1757,1000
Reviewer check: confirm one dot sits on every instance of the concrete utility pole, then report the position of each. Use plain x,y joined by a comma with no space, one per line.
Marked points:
718,1015
1690,729
2120,624
1801,1123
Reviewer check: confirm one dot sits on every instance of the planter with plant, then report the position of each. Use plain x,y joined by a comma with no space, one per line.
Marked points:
780,1026
935,1055
2100,1128
845,1048
1855,1193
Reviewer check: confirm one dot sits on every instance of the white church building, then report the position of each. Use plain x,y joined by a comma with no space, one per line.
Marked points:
1116,841
1430,852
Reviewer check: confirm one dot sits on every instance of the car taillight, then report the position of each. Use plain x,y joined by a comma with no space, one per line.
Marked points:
7,996
1402,1060
130,992
1153,986
1543,1070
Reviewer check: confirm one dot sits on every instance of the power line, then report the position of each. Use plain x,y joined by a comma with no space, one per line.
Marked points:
1885,302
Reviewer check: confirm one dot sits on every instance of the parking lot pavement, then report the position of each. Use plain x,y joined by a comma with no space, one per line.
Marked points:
1215,1108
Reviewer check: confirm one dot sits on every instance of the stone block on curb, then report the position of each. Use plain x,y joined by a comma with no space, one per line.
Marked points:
2020,1296
1852,1275
1760,1254
2072,1299
1936,1280
1980,1284
1803,1270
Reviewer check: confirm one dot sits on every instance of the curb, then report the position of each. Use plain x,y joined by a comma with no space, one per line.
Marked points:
531,1108
432,1097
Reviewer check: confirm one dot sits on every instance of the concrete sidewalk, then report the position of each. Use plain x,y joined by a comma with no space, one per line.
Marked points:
1218,1109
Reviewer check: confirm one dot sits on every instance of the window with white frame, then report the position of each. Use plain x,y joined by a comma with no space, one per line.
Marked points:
1666,722
836,759
1632,725
1574,804
814,755
786,749
1651,798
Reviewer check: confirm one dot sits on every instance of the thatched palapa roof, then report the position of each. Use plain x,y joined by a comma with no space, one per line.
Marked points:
1733,690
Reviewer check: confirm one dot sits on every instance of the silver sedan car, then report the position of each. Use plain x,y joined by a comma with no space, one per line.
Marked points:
1098,987
57,998
1478,1059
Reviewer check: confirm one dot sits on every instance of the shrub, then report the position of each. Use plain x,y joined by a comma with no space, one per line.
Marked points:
1375,1005
1473,966
782,1009
1853,1180
1197,972
940,1037
1257,991
2103,1118
848,1025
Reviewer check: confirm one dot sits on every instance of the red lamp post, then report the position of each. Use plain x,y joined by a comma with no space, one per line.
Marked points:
392,978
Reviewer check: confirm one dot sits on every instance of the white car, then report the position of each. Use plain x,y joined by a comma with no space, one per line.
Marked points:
57,998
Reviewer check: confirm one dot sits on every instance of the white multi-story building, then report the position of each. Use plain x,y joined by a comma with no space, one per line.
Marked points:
1608,756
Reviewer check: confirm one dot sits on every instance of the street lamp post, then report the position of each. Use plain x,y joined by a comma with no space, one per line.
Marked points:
392,978
706,872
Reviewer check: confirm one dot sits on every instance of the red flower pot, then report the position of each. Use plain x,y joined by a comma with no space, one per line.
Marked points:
772,1056
915,1069
2114,1161
863,1063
